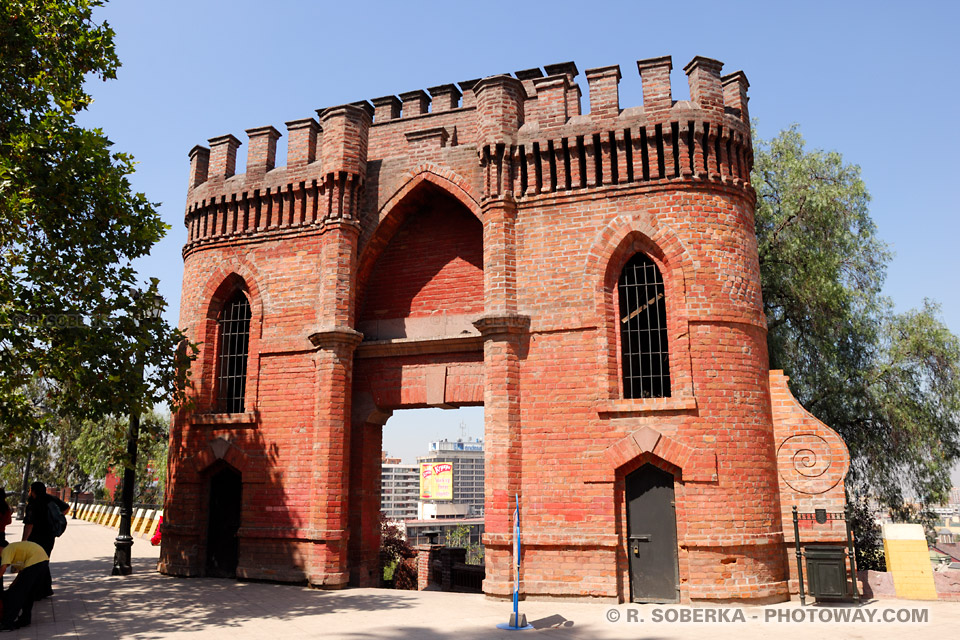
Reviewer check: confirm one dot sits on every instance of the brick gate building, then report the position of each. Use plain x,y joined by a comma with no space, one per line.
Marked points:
590,279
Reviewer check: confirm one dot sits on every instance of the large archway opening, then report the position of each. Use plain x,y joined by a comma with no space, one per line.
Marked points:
432,491
420,286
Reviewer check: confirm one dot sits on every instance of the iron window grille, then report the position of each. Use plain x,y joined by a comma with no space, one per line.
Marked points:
232,361
645,362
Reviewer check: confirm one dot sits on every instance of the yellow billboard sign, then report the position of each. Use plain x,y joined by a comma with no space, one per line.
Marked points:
436,481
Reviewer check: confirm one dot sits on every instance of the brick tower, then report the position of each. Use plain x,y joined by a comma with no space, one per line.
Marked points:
590,279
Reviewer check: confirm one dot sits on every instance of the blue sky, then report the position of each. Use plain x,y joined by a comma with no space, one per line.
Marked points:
873,80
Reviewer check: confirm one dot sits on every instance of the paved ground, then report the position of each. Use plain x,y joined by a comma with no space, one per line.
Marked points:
89,603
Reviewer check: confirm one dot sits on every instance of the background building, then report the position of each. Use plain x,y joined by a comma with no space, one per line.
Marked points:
399,489
467,459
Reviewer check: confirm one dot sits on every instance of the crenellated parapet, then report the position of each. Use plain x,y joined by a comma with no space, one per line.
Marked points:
555,149
346,132
527,130
321,182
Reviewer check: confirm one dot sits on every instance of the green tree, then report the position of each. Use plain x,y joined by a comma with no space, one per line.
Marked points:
52,450
888,383
72,310
101,447
460,537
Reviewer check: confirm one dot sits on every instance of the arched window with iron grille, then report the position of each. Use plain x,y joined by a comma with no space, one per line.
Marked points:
232,360
644,357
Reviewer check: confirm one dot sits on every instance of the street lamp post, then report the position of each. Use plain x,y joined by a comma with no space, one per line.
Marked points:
122,565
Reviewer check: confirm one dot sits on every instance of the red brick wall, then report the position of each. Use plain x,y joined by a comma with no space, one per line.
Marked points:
432,265
470,256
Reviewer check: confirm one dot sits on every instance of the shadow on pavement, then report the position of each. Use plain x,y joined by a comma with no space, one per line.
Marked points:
148,604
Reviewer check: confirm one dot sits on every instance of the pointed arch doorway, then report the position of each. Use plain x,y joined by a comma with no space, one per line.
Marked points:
420,290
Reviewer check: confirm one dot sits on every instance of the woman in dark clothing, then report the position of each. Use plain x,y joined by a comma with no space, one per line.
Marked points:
38,527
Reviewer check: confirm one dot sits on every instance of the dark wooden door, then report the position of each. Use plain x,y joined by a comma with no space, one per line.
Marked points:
652,536
222,543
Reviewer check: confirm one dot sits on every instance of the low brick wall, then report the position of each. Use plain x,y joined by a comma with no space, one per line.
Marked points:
879,584
948,584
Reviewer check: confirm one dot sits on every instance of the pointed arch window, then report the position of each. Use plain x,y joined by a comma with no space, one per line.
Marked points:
232,357
644,356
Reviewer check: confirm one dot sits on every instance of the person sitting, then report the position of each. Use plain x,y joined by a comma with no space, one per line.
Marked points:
32,565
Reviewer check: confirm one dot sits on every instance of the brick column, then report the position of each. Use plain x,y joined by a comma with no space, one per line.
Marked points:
329,495
344,156
336,341
500,113
366,443
503,337
500,255
426,554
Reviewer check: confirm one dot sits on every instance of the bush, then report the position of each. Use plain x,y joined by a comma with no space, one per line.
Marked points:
405,574
867,536
395,556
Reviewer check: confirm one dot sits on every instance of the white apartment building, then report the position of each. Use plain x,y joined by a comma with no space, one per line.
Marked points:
399,490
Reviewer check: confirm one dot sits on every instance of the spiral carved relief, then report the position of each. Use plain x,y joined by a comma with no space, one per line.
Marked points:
811,463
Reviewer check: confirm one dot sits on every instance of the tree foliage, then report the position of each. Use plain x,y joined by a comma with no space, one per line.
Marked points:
79,454
460,537
101,448
71,308
887,382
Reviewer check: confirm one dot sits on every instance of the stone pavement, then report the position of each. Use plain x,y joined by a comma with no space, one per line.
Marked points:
90,603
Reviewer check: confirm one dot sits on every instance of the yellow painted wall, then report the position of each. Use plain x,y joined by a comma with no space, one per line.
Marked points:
908,560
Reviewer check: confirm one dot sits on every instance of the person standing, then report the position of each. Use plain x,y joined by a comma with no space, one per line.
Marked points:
32,565
37,525
38,528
